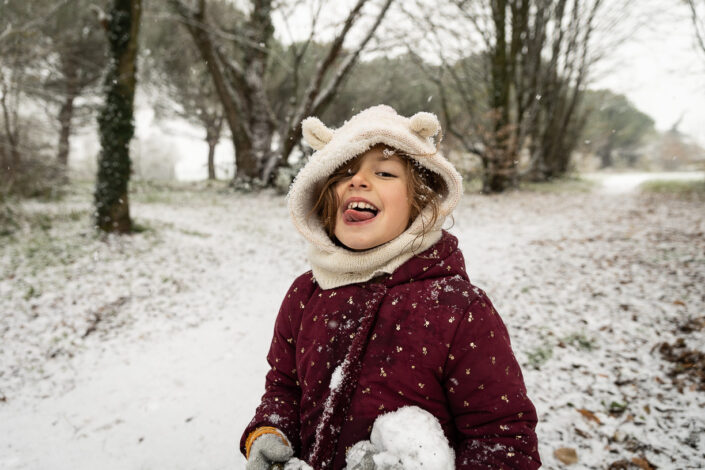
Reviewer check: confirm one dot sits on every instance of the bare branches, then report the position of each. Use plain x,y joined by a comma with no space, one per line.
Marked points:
326,95
697,15
324,65
317,97
535,59
11,30
241,73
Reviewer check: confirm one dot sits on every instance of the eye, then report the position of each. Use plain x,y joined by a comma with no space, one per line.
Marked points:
385,174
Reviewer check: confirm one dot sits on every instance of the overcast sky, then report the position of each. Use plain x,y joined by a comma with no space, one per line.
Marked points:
661,71
658,68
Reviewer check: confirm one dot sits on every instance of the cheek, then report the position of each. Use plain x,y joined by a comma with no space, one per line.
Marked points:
339,191
402,205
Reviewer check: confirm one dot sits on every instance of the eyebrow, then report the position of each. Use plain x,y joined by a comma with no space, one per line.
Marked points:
384,158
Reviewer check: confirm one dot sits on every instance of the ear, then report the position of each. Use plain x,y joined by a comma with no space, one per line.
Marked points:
425,124
316,134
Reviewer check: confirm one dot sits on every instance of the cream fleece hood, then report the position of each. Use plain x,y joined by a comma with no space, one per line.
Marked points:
335,266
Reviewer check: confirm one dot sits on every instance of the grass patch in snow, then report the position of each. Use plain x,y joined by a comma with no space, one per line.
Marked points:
686,189
178,192
580,341
565,184
8,219
539,356
45,238
472,184
194,233
49,235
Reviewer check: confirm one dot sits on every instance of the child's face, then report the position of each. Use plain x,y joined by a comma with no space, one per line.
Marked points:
380,182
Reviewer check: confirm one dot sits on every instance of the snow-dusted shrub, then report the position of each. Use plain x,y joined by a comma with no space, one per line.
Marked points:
34,176
409,438
285,175
8,218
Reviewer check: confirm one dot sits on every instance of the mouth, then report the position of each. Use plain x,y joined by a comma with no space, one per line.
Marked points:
359,211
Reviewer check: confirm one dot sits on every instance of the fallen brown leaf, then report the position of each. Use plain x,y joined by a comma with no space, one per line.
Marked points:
642,463
587,414
567,455
622,464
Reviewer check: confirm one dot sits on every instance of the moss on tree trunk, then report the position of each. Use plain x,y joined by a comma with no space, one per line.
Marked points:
112,210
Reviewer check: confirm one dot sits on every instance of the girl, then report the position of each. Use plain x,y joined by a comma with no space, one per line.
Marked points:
387,317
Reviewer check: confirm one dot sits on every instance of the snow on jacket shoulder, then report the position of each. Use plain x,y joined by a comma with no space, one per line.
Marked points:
436,343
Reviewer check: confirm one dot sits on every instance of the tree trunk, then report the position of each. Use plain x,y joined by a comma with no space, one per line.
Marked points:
259,130
213,128
116,124
605,154
65,117
211,159
10,145
501,166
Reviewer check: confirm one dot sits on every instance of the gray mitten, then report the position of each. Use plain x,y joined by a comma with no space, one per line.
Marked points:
359,457
267,450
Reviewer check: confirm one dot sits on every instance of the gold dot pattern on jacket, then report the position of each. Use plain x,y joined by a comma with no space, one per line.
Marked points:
419,352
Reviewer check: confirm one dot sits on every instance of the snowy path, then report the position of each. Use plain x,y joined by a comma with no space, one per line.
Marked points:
622,183
171,372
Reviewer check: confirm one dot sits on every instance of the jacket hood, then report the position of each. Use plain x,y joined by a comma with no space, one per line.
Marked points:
333,265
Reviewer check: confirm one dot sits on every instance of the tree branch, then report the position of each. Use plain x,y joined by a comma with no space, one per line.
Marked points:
698,24
327,94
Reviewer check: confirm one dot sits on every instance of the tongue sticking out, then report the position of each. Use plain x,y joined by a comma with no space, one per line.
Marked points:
353,215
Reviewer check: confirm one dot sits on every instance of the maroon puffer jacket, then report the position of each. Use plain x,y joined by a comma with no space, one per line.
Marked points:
423,336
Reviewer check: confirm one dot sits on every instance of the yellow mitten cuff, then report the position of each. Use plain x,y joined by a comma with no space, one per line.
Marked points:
257,433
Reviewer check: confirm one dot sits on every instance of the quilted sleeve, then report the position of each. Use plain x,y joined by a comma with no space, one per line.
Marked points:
493,416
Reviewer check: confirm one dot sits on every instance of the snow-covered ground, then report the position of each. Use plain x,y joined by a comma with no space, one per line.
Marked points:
148,351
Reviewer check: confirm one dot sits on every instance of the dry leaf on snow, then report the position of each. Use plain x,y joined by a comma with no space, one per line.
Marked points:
567,455
642,463
589,415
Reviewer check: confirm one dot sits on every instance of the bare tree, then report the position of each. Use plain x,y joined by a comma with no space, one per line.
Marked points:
11,78
512,88
21,52
263,139
112,210
181,80
697,14
75,63
555,128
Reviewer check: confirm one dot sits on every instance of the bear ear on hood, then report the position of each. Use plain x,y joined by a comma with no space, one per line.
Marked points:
425,124
316,134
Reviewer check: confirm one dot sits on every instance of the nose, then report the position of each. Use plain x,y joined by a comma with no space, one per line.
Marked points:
358,180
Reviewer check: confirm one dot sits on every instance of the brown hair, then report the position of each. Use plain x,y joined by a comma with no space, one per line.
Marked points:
424,187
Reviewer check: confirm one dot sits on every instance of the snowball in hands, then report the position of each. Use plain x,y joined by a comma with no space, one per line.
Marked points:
409,438
296,464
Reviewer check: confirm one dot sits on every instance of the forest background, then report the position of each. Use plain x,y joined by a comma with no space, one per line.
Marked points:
178,122
511,82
